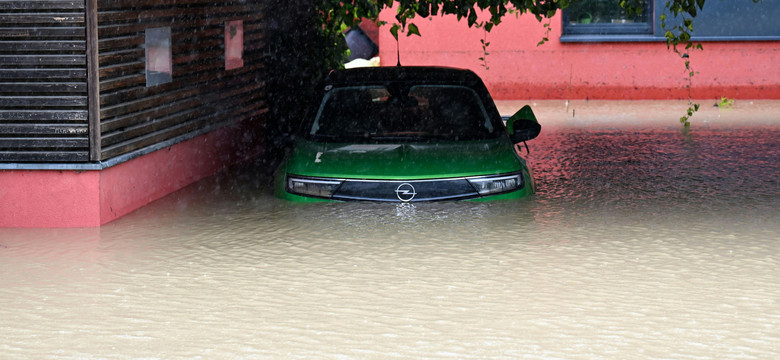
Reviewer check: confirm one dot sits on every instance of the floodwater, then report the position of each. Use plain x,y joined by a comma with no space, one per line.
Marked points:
643,242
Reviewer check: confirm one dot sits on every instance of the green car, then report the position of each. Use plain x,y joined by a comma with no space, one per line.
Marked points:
407,134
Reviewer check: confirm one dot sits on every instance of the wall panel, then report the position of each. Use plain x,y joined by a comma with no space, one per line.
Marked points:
202,94
43,89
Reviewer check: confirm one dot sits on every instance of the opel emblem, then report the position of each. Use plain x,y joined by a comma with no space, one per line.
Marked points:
405,192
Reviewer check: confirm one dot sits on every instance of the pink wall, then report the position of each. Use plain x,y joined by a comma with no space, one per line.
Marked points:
519,69
45,198
33,198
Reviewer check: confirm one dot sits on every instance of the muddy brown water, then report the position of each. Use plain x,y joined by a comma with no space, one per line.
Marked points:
642,242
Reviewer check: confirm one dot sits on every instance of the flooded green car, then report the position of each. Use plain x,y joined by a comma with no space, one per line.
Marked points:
407,134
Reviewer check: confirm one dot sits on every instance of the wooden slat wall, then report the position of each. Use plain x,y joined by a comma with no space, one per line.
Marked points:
202,93
43,89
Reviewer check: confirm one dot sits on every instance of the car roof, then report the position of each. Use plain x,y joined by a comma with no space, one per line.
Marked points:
416,74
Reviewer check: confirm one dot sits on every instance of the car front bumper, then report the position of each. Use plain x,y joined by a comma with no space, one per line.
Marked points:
304,188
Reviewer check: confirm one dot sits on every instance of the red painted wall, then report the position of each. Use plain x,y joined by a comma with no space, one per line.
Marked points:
135,183
45,198
519,69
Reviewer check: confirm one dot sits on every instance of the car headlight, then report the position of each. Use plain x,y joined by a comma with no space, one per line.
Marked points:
312,187
487,185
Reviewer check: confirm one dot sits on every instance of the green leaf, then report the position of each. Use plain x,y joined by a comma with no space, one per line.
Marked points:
413,30
472,17
394,30
688,24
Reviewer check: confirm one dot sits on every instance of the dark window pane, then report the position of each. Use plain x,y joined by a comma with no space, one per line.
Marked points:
607,17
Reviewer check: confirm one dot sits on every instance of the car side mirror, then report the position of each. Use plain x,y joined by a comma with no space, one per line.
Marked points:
522,126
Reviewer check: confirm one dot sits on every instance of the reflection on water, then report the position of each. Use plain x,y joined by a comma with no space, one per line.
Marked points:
639,244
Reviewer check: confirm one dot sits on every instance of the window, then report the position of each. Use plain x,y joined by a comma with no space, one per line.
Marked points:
234,44
605,21
606,17
159,69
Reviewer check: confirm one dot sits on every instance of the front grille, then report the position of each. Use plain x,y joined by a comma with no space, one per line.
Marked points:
393,190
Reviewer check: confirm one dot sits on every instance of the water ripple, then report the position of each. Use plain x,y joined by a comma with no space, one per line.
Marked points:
639,244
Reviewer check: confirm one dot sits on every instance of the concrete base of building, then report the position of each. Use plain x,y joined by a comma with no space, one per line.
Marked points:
90,198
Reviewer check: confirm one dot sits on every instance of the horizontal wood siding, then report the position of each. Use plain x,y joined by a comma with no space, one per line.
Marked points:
202,94
43,88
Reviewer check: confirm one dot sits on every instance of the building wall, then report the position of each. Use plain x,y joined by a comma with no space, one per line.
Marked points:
202,94
43,81
79,198
51,112
49,198
84,139
516,68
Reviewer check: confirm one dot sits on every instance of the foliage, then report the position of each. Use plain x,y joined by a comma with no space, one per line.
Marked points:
299,52
306,40
485,53
349,12
681,34
338,14
725,103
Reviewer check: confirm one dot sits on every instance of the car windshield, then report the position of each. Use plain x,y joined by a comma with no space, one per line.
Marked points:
395,113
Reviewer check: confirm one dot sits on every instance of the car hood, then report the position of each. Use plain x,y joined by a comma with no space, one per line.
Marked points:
416,160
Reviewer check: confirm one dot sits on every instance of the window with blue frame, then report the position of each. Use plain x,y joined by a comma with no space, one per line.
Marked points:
721,20
607,17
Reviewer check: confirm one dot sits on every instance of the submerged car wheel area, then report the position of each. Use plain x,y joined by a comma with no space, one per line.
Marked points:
407,134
